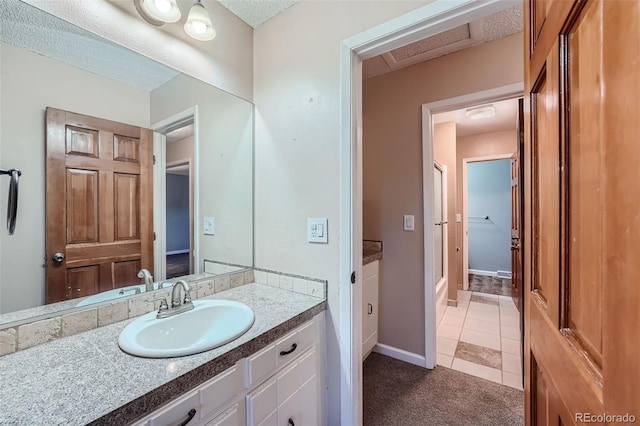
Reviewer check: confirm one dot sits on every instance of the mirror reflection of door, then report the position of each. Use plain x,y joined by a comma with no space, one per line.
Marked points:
99,204
440,223
179,201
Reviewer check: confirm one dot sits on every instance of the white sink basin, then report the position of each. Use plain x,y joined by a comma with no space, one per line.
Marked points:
211,323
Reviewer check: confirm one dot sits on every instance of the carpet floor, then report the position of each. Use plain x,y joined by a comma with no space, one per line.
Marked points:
398,393
177,265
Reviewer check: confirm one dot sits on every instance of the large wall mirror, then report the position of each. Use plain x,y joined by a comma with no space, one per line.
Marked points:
58,80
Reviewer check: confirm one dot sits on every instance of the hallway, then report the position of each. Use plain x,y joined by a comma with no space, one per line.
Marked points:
481,337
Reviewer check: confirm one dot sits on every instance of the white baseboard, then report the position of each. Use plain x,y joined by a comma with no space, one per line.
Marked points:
169,253
481,272
400,354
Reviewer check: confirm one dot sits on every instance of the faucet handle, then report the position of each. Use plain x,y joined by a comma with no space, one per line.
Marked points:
164,306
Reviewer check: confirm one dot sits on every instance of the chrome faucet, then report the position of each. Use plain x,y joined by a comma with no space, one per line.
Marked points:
148,279
176,305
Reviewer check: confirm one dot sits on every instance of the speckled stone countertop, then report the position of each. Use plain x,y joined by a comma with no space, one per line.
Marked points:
371,251
86,378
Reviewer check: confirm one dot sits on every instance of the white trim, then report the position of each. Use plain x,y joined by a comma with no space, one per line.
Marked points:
399,354
169,253
483,273
431,19
159,195
465,212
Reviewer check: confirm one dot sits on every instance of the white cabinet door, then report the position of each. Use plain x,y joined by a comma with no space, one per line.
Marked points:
262,402
369,307
233,416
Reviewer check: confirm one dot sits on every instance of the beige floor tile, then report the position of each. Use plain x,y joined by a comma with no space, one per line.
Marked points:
511,363
477,370
480,339
456,320
464,295
483,326
456,310
512,380
446,346
484,316
483,307
449,331
444,360
510,346
510,332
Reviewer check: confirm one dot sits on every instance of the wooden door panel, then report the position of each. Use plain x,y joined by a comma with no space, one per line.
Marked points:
546,178
585,191
82,206
105,202
126,196
126,149
82,142
82,281
125,272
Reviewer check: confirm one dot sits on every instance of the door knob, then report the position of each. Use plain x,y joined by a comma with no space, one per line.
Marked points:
58,257
515,247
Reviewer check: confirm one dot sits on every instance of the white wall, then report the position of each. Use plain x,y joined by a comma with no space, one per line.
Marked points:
297,134
225,178
29,84
225,62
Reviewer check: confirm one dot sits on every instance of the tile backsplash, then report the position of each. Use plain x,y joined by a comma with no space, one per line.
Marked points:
23,336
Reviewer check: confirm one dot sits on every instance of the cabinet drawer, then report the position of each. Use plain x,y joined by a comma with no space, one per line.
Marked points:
264,363
261,402
177,412
260,365
219,391
233,416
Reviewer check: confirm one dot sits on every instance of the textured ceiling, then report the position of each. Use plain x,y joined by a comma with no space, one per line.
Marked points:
180,133
490,28
505,119
30,28
256,12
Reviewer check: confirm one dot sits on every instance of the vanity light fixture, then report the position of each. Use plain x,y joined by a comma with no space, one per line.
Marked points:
198,23
158,12
478,113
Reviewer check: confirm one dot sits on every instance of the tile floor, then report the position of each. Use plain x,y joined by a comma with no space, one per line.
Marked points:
481,337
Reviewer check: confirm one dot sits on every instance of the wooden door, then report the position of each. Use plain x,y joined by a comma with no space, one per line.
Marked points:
516,215
99,204
582,211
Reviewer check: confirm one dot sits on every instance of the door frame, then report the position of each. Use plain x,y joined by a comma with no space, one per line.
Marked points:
159,188
430,247
428,20
465,210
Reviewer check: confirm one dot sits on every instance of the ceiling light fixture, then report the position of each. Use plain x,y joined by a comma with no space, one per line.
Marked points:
198,23
158,12
478,113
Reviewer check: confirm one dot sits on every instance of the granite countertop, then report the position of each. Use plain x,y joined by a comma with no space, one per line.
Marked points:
86,378
371,251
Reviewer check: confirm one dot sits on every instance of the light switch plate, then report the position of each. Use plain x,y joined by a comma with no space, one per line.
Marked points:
458,217
408,222
317,230
208,226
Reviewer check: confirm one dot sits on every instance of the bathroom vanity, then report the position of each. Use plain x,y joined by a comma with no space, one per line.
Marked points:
273,371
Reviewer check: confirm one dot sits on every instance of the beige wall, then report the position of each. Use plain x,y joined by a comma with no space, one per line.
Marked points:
225,155
28,84
393,128
482,145
297,134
